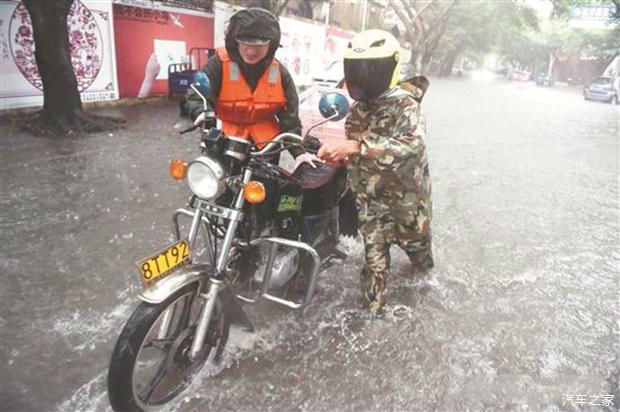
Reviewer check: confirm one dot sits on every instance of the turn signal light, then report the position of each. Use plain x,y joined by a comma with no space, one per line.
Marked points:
254,192
178,169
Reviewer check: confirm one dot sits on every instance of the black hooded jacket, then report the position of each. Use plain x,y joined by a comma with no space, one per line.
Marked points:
252,22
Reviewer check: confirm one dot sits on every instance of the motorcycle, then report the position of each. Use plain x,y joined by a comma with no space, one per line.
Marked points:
267,234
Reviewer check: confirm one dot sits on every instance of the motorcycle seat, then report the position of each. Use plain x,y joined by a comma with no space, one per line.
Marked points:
311,178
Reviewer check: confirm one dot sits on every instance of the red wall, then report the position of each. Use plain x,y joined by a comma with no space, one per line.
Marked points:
136,28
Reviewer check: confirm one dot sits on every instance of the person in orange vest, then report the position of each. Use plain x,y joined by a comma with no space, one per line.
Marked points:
253,94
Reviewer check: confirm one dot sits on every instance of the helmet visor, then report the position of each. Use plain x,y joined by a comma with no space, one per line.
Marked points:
366,79
252,41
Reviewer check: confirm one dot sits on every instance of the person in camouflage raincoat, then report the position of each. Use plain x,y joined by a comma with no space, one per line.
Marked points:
387,161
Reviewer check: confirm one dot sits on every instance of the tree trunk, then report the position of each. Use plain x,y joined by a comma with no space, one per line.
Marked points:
426,60
431,45
280,8
551,64
448,63
265,4
61,99
62,106
306,9
416,59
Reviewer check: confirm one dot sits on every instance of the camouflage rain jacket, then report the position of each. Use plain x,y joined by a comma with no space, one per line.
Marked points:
391,175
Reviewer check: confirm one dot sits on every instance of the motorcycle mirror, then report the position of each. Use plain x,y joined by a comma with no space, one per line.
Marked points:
200,84
333,106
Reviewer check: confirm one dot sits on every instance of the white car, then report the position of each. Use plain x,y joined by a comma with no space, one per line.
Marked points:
603,88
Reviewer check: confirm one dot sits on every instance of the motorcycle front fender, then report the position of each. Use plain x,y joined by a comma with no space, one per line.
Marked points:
161,290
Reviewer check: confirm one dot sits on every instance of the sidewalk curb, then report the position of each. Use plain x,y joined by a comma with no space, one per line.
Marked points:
125,101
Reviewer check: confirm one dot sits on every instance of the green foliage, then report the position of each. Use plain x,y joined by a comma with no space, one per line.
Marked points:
616,13
445,29
562,8
480,27
603,44
497,22
559,39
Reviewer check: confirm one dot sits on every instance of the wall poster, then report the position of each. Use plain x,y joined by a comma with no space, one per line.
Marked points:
91,41
150,39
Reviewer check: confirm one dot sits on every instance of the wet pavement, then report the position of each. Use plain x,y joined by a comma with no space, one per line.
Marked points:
521,312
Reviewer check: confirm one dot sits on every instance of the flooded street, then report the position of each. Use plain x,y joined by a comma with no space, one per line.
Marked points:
521,312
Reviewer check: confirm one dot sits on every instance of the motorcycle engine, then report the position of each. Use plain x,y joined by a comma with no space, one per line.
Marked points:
285,266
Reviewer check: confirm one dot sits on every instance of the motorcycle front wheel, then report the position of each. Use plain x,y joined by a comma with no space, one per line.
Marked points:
150,364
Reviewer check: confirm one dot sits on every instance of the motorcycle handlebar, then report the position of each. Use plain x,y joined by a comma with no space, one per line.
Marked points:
189,129
277,140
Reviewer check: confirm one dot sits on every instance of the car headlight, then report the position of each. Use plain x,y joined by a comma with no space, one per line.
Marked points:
205,177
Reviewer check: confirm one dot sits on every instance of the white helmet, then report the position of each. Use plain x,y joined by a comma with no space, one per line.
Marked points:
371,64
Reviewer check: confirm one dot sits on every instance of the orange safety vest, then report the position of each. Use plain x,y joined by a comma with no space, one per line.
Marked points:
246,114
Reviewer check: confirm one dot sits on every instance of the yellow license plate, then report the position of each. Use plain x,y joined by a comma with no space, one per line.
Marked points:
163,262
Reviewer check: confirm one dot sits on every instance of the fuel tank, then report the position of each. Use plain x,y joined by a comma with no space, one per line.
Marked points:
322,187
282,204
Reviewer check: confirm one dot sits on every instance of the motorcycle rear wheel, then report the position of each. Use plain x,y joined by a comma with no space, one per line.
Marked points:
128,390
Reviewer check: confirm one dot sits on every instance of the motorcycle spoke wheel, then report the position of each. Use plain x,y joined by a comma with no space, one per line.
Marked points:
162,344
147,393
150,365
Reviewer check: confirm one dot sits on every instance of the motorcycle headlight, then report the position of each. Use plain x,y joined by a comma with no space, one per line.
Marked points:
205,177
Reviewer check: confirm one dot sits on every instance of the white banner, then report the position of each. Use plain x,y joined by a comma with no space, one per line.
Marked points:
223,11
92,54
303,47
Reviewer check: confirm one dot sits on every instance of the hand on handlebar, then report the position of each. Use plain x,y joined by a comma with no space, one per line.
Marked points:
307,158
338,150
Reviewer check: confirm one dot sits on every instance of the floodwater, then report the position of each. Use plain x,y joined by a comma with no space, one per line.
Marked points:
522,311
